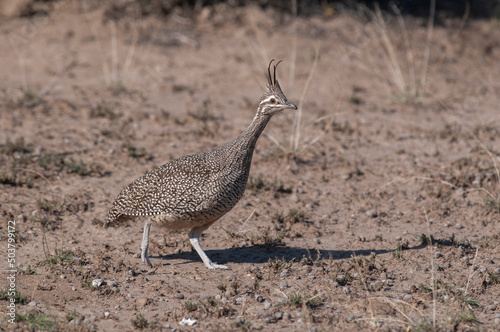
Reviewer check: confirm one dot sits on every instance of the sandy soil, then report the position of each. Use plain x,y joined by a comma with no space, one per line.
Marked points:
380,210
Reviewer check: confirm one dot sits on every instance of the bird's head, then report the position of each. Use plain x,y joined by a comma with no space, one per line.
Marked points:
274,100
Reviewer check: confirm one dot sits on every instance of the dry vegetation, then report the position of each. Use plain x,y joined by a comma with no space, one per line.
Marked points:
376,206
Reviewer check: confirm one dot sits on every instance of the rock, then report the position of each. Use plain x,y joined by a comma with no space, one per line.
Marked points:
372,213
459,226
267,305
32,304
259,298
231,277
142,302
317,240
187,321
346,289
383,276
437,254
239,300
179,296
340,278
112,283
284,273
284,284
96,283
278,315
295,198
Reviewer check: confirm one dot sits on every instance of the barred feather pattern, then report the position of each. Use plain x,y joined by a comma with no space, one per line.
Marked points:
193,190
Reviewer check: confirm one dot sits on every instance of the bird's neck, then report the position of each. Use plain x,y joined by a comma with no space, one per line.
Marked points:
248,138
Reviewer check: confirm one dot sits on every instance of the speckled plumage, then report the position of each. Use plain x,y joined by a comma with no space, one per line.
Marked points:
196,190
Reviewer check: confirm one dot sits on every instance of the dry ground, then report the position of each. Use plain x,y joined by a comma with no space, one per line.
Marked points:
380,210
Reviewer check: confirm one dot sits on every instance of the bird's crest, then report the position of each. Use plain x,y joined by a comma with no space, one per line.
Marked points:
273,83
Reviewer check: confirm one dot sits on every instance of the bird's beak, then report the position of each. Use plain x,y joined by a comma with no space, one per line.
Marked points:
291,105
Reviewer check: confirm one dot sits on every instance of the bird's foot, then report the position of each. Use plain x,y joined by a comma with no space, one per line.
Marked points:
213,266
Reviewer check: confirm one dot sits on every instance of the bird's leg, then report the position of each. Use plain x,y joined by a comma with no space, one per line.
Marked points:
145,243
193,238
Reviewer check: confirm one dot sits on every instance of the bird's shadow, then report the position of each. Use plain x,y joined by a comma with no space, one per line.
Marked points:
258,254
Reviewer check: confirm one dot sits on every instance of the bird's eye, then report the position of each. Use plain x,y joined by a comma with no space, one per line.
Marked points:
272,100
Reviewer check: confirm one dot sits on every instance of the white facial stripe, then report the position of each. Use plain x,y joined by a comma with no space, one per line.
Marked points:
268,99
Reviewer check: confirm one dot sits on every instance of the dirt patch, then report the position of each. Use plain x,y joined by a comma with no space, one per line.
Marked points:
380,211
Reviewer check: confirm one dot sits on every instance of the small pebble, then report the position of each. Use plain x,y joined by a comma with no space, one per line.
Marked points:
372,213
383,276
97,283
231,277
179,296
267,305
437,254
295,198
459,226
346,290
142,302
492,307
112,283
284,284
340,278
483,269
32,304
284,273
278,315
259,298
317,240
239,300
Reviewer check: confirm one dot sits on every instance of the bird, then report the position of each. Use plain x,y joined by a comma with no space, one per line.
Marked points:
194,191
